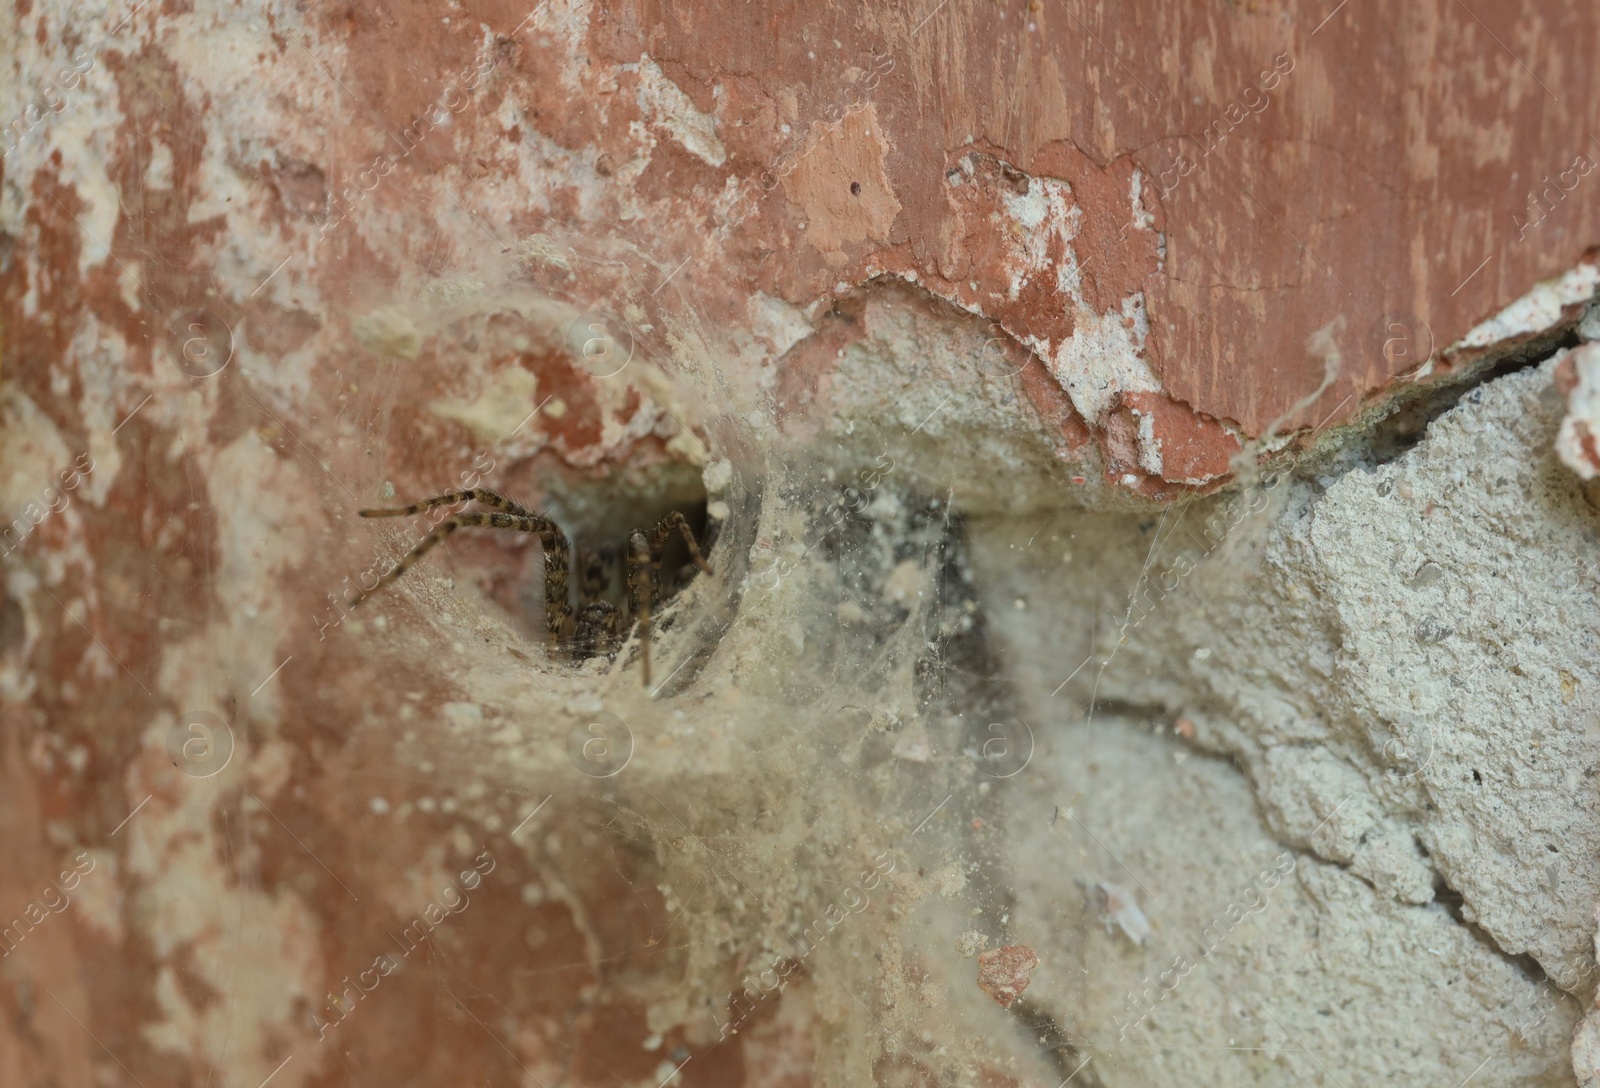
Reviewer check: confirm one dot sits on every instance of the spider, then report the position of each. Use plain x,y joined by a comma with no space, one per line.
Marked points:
594,628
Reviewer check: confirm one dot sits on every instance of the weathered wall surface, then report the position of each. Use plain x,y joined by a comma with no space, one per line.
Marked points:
1397,658
263,266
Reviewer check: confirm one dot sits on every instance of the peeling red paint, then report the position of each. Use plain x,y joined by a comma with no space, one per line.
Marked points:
1182,446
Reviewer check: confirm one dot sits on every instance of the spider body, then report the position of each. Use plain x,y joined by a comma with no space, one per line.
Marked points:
598,626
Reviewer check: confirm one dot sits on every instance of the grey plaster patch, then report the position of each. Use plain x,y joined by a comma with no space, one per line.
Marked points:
1266,965
1401,661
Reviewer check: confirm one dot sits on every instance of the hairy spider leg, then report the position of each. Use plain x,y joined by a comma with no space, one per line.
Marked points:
597,623
644,574
641,564
658,540
454,498
558,610
558,615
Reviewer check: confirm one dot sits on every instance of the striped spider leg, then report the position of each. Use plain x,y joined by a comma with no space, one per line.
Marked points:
644,574
506,515
596,627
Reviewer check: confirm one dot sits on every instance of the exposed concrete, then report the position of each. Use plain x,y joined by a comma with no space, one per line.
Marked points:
1402,660
1267,965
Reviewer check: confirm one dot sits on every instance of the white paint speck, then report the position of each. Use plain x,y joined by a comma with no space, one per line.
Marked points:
1119,908
673,112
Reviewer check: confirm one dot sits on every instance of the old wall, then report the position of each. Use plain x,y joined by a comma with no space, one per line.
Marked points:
855,289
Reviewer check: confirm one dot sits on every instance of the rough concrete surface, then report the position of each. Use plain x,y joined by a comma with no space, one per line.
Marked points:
1399,659
1267,965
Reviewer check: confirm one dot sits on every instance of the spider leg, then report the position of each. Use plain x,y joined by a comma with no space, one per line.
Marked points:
663,529
558,615
555,557
451,498
644,567
641,565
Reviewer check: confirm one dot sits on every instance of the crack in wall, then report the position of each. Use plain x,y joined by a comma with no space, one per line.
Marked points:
1405,419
